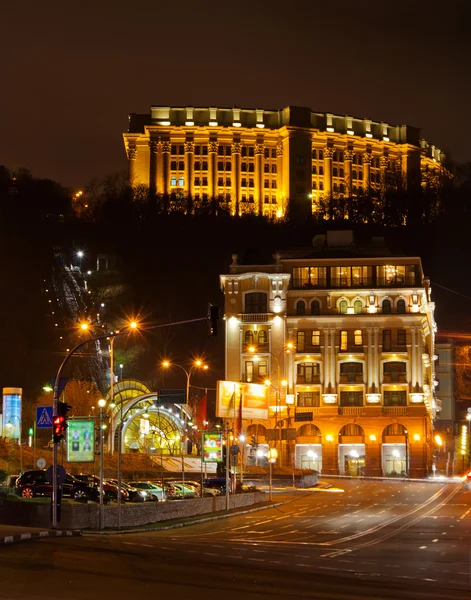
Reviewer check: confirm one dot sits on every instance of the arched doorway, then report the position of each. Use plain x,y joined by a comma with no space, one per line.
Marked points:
395,450
352,458
308,451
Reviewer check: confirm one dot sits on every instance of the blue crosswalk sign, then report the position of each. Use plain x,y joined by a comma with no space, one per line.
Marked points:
44,417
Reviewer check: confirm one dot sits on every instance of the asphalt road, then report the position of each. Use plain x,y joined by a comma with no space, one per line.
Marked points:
373,540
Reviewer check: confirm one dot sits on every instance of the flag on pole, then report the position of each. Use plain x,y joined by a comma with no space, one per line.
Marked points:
201,411
239,425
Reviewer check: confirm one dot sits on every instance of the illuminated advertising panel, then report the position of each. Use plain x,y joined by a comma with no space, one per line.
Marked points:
212,447
81,441
252,396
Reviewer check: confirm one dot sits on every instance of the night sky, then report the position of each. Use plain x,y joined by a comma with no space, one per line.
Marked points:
72,71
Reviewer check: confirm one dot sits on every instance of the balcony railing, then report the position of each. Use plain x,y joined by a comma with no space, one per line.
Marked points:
346,282
305,349
396,348
353,348
351,411
395,378
308,380
397,411
255,317
351,377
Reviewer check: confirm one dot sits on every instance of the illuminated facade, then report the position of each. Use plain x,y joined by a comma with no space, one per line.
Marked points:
344,339
256,160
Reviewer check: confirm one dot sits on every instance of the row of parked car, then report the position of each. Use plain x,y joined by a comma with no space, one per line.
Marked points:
86,487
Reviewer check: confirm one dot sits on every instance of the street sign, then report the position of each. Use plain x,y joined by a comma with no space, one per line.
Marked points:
44,417
172,396
61,474
41,462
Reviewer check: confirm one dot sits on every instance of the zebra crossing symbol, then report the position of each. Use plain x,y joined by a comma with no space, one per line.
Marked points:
44,417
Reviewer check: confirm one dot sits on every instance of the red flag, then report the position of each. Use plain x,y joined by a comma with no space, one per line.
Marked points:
240,416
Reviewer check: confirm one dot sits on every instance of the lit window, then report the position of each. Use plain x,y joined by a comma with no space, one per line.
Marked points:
358,337
343,340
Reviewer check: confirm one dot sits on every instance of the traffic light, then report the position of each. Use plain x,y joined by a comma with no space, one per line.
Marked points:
213,320
59,422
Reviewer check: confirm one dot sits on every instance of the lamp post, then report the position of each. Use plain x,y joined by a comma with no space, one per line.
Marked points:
468,417
101,404
121,372
198,364
11,425
407,451
272,456
80,256
280,383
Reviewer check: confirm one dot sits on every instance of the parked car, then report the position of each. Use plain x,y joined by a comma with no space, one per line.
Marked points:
109,489
135,494
154,489
207,492
181,490
35,483
218,483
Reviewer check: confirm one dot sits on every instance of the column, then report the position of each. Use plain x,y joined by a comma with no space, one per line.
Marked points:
132,154
328,155
212,170
326,362
376,362
153,148
166,148
420,351
366,170
348,158
189,167
373,466
333,362
235,195
259,151
383,166
279,176
413,365
370,380
160,169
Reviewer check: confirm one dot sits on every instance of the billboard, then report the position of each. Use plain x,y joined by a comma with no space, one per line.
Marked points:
81,441
212,447
252,396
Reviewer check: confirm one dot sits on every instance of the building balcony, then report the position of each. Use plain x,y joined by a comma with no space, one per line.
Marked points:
255,317
308,349
396,349
353,283
307,413
315,379
351,378
353,349
395,378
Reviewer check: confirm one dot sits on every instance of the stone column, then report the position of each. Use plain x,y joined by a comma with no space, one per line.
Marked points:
370,380
212,170
326,361
333,362
259,151
279,175
330,455
420,351
328,155
166,148
235,192
373,466
348,158
383,165
132,155
376,355
366,170
153,148
413,361
189,167
160,169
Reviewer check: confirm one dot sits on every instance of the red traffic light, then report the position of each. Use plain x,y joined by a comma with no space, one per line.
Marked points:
58,428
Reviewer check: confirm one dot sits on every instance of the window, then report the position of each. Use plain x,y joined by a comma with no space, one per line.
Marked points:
308,399
300,307
197,166
315,307
357,306
262,338
266,183
299,159
205,181
228,181
249,371
351,398
386,340
343,307
256,302
248,338
220,166
395,371
316,338
351,371
401,306
306,372
401,337
266,200
314,154
395,398
358,337
273,168
386,307
173,180
181,181
266,168
300,341
197,181
273,185
343,340
262,369
173,165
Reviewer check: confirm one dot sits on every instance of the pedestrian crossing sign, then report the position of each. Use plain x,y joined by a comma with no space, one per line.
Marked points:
44,417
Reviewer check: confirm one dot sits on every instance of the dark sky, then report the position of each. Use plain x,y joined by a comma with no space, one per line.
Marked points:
72,71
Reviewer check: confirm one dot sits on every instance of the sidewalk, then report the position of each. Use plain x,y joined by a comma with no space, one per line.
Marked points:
11,534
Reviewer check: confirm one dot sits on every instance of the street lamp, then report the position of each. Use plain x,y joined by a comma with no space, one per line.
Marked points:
468,417
121,372
11,425
80,254
101,404
272,456
198,364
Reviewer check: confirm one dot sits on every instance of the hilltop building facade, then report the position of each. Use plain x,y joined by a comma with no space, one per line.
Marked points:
257,160
344,338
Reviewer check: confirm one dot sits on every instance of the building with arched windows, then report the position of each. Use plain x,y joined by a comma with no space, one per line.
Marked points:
344,338
257,160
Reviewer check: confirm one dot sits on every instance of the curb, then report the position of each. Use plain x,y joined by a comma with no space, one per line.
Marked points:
179,525
23,537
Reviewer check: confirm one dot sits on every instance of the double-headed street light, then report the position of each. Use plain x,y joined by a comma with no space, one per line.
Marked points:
102,404
197,364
